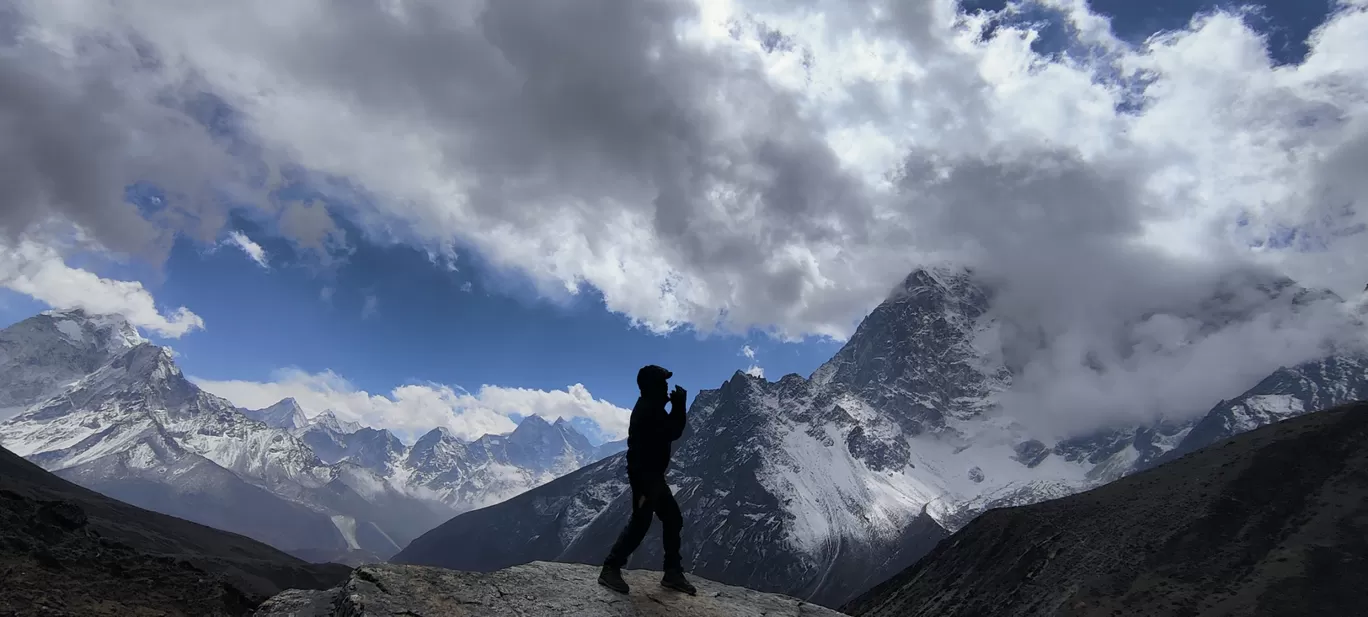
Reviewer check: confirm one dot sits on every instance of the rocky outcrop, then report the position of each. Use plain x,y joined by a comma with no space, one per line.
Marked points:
1271,522
531,590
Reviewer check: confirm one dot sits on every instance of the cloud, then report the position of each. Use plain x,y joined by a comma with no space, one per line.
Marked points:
312,228
753,370
40,272
369,306
252,249
412,410
326,294
679,160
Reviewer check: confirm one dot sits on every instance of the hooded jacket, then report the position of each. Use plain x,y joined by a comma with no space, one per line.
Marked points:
650,432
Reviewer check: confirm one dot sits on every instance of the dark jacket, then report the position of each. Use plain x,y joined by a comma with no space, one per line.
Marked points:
649,435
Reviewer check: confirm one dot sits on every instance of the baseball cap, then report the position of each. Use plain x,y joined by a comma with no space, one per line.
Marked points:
651,374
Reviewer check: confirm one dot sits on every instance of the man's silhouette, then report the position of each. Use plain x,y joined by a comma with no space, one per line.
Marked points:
649,435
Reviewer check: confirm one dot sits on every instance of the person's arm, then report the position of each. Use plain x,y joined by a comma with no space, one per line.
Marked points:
675,423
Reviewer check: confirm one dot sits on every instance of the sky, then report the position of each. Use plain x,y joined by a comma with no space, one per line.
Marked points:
423,213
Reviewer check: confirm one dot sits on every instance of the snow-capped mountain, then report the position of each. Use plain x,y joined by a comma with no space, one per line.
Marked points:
136,429
326,435
286,414
457,473
43,355
820,487
109,410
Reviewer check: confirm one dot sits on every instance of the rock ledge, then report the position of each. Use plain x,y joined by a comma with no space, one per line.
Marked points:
535,589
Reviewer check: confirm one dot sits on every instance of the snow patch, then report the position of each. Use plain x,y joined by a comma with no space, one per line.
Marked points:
346,525
72,331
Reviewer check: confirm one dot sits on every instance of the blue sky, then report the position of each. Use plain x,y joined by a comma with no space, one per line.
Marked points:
383,314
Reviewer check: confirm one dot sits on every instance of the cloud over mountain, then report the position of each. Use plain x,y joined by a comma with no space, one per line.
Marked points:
728,163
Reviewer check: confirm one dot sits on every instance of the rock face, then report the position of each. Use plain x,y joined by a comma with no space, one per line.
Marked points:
531,590
65,550
1271,522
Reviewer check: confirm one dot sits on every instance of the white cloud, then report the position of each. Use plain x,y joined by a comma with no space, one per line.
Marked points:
252,249
767,202
326,294
369,306
753,370
672,156
412,410
40,272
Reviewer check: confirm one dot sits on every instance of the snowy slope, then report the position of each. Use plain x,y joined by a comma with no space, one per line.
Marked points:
44,354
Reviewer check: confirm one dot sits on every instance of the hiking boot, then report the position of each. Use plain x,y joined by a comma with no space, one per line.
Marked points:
674,579
611,578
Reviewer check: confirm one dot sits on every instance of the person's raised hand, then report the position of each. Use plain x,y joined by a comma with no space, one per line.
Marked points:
679,396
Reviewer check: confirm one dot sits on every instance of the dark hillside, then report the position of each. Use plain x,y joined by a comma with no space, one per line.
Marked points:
66,550
1270,522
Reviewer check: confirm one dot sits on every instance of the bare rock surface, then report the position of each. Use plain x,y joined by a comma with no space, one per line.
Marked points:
531,590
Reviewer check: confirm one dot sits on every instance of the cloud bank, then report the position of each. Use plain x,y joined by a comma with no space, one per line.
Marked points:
732,164
411,410
39,271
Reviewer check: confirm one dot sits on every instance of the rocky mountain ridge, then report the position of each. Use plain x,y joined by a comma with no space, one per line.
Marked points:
820,487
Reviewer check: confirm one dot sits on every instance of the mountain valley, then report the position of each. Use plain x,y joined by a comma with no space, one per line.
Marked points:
112,412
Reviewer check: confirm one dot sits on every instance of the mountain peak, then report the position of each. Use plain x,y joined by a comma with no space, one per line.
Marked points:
111,332
286,414
329,420
533,420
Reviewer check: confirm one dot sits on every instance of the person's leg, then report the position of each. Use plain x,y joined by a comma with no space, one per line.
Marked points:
637,526
672,521
663,501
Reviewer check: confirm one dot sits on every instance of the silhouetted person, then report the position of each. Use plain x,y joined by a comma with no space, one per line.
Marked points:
649,435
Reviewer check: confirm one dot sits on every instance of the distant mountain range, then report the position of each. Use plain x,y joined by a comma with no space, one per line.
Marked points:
89,399
823,486
818,487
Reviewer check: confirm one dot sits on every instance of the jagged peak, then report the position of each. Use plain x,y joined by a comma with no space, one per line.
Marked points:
112,333
531,424
533,420
288,401
329,420
438,434
285,413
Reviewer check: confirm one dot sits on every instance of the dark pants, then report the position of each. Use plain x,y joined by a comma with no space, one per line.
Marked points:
650,497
